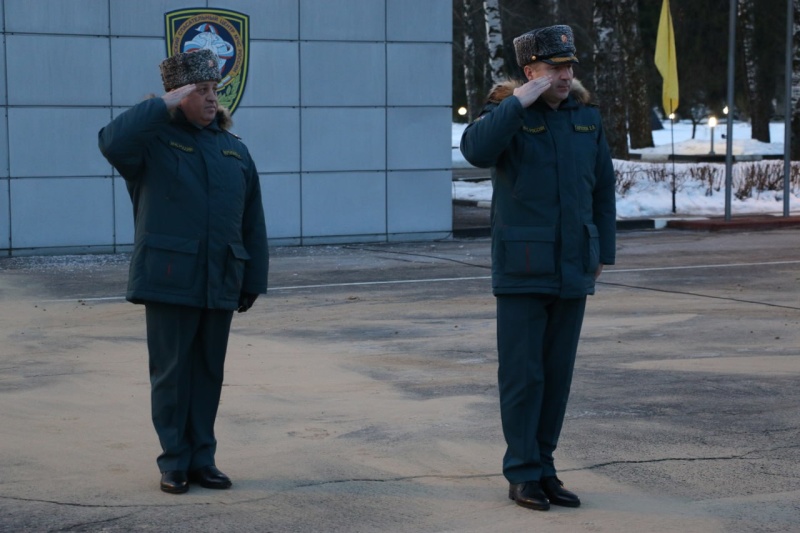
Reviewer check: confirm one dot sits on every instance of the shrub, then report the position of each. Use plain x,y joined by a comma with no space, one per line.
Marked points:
748,178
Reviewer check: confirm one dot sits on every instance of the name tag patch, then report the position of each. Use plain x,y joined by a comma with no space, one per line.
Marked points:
585,129
535,129
232,153
182,147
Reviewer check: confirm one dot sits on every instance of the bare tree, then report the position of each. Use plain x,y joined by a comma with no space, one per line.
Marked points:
553,12
758,101
638,101
494,40
610,83
474,90
795,137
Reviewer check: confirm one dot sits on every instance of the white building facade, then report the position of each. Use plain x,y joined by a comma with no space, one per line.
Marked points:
346,111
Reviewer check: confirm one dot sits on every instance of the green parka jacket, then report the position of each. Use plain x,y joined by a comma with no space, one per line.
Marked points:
200,236
553,200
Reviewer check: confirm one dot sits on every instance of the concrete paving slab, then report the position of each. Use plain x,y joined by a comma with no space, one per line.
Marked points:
361,396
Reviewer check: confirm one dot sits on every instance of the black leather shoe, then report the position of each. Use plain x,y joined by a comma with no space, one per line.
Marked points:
557,494
529,495
174,482
210,477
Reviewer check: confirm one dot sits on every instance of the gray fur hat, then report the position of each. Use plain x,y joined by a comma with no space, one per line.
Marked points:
554,45
190,67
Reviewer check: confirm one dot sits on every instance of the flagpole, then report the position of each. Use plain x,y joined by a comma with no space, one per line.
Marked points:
672,122
731,70
787,106
672,135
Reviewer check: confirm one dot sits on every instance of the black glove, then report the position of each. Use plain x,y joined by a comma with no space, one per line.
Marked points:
246,301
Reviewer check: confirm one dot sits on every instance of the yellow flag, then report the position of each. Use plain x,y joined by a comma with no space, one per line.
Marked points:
666,61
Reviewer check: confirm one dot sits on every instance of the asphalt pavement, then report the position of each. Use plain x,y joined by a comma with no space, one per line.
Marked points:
361,395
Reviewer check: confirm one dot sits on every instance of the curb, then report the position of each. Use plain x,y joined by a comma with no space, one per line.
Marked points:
473,203
472,233
622,225
753,223
738,223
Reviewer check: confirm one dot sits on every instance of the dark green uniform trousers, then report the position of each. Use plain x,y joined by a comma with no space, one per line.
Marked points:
537,339
187,348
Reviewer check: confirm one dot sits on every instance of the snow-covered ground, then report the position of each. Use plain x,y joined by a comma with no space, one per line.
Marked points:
648,198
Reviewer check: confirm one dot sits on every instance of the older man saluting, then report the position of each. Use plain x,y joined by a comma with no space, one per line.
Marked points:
200,253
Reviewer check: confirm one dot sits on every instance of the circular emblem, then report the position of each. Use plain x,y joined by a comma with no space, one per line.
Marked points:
217,34
224,32
563,38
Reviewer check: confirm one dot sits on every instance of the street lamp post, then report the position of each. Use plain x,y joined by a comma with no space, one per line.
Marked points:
712,123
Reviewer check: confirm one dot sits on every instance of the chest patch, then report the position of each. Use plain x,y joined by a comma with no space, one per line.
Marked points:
585,129
535,129
181,147
232,153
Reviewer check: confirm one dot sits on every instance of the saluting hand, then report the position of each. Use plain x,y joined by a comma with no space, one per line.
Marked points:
174,97
532,90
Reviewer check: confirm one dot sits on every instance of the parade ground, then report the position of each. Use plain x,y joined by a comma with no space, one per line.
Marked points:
360,395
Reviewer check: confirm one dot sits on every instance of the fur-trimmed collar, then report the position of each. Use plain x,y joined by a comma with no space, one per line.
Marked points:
224,119
504,89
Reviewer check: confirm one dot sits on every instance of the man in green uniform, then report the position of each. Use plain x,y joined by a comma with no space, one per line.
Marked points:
553,229
200,253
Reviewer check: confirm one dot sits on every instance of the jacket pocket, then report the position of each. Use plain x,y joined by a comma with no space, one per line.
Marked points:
528,251
591,257
170,261
234,269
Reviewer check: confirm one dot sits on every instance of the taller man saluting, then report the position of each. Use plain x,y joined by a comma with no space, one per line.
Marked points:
553,229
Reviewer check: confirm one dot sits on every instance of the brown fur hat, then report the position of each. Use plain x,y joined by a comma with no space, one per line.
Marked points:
553,44
190,67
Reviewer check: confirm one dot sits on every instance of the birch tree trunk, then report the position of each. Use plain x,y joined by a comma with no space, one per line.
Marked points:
611,89
795,137
553,13
494,40
758,100
639,105
473,90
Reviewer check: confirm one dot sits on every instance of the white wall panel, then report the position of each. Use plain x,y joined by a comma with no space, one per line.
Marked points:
272,136
56,142
419,20
5,228
67,70
342,20
3,70
4,144
134,69
341,74
144,18
60,212
419,74
419,201
419,138
273,78
282,206
88,17
269,19
343,139
346,203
